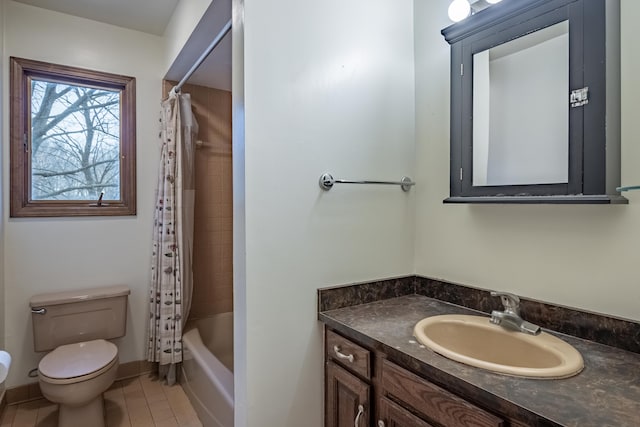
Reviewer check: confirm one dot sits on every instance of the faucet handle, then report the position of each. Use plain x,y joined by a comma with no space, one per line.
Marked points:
510,301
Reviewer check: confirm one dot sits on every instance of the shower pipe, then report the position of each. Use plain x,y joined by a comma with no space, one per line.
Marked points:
225,30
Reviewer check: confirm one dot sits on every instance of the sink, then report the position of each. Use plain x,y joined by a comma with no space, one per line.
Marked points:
475,341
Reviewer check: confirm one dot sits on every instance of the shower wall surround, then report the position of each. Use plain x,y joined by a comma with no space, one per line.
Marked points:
213,240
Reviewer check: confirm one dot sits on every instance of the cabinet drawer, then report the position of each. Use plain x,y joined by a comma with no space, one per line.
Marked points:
392,415
350,355
435,403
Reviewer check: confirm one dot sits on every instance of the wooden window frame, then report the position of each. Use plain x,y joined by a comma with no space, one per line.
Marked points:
21,203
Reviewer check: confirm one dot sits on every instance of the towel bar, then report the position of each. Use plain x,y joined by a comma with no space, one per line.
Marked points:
326,182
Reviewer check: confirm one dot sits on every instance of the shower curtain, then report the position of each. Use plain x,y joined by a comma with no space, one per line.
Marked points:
171,272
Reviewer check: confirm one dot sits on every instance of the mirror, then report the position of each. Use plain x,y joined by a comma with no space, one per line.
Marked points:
521,110
535,96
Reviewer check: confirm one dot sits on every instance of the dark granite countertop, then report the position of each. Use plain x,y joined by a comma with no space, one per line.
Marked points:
605,393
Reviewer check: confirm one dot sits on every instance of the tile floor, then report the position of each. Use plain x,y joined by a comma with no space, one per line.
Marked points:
135,402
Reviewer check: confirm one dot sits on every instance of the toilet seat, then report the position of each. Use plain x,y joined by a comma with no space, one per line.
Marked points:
78,362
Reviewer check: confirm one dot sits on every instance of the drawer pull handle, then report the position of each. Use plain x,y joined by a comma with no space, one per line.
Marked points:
356,423
349,357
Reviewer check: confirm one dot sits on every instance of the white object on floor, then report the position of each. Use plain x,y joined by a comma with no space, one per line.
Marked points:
5,364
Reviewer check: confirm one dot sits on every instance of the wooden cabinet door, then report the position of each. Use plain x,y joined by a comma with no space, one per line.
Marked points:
393,415
347,398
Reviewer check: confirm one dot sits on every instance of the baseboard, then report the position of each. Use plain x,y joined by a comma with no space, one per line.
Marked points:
23,393
3,401
135,369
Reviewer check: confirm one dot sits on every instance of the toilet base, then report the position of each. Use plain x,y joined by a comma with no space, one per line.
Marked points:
80,401
91,414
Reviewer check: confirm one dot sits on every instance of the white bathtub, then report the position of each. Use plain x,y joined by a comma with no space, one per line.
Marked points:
207,369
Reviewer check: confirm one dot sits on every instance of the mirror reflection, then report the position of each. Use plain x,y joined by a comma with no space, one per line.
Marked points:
521,110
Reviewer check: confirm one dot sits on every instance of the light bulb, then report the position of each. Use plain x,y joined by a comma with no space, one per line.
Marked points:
458,10
493,1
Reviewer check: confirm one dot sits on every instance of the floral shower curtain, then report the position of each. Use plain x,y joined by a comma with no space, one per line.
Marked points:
171,273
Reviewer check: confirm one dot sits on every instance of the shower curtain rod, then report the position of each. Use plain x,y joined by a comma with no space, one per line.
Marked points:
204,55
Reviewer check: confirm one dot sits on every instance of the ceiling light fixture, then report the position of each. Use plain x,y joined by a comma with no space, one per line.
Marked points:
458,10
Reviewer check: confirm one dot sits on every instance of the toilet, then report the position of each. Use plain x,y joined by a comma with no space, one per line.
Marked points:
74,327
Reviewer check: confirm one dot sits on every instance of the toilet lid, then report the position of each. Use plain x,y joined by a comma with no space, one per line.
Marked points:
77,360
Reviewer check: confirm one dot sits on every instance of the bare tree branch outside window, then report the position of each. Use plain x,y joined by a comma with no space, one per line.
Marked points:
75,142
72,141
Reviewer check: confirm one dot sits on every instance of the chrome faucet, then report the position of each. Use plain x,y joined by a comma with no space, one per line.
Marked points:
510,317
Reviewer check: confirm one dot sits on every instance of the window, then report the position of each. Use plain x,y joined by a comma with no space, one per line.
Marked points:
72,141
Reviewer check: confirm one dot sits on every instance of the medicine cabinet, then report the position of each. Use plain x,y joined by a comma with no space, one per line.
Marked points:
535,103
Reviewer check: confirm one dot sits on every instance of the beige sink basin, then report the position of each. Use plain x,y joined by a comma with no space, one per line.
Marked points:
475,341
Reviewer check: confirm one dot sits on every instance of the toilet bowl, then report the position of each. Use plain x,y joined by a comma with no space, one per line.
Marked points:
74,376
81,365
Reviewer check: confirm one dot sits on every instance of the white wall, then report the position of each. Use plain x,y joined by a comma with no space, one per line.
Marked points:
184,20
43,255
328,87
240,378
2,206
581,256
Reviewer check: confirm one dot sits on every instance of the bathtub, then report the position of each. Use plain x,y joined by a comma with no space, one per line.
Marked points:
207,369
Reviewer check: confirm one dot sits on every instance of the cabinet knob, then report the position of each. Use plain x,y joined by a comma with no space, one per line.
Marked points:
381,423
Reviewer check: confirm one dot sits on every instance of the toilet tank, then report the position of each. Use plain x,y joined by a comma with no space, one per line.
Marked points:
80,315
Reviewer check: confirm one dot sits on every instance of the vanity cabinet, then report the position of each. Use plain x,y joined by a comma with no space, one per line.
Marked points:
347,398
394,415
432,402
365,389
347,382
